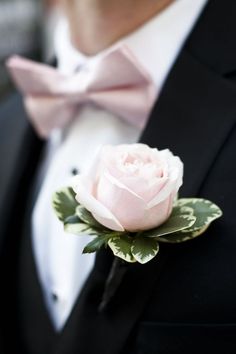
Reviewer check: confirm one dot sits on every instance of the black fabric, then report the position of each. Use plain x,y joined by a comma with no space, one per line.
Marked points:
186,338
20,152
34,327
184,300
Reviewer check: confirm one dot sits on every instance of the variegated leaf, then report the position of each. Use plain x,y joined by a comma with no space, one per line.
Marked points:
121,247
96,244
204,210
179,237
80,229
74,226
175,223
182,210
64,203
88,218
144,249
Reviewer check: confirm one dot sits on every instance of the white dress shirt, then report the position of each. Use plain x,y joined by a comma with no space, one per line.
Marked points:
62,269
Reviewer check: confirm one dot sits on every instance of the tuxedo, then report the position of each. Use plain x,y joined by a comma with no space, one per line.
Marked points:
181,302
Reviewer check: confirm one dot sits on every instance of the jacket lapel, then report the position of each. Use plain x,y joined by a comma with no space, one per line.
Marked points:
19,151
193,117
196,109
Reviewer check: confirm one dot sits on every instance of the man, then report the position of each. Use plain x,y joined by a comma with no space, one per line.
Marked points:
184,300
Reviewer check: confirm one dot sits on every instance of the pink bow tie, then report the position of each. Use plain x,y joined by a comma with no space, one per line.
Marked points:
116,81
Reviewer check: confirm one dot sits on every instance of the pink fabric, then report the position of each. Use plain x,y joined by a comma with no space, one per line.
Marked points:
116,82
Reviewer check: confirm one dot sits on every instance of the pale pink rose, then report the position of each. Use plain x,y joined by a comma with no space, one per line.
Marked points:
130,187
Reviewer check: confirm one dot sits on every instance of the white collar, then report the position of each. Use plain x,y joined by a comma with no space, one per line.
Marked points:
156,44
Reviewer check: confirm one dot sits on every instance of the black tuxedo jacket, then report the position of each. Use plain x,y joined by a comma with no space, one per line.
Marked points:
184,301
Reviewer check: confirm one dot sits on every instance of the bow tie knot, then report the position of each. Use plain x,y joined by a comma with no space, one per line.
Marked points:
115,81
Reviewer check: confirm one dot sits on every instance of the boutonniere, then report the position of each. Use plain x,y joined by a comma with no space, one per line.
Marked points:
128,202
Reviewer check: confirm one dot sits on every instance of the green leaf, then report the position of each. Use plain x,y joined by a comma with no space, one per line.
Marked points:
96,244
73,225
86,217
144,249
121,247
175,223
80,228
204,210
64,203
182,210
72,219
179,237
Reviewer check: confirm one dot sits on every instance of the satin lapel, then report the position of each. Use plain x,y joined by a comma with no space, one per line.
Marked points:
18,154
196,109
193,117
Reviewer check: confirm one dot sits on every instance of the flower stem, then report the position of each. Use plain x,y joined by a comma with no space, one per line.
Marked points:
113,281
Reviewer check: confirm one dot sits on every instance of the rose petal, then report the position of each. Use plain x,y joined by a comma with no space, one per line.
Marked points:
144,188
131,186
173,184
127,207
157,215
98,210
145,180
